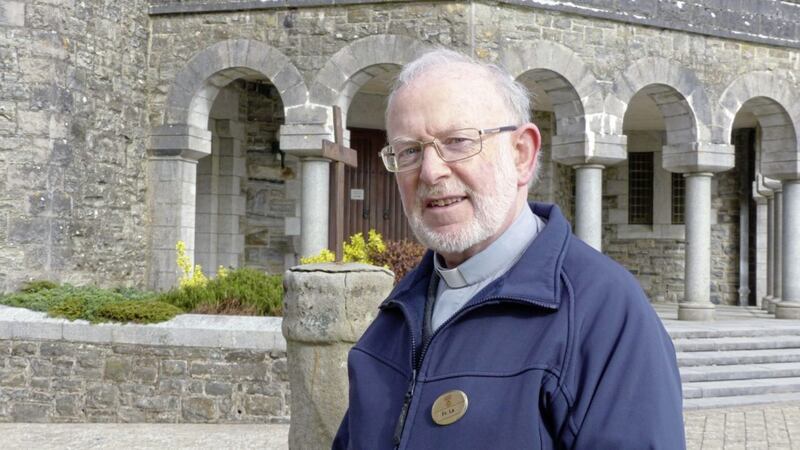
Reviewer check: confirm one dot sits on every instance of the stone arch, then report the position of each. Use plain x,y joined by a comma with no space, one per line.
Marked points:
352,66
193,91
573,88
774,103
679,94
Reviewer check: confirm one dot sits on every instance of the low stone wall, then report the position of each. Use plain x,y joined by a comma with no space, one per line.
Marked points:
194,368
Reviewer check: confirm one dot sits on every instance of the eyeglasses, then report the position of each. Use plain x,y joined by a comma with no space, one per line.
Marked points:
456,145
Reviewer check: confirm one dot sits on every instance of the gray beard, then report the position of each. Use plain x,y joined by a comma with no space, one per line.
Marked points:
490,209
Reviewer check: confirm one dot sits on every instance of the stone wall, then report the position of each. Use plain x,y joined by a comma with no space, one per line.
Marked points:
655,253
763,21
72,141
214,369
273,190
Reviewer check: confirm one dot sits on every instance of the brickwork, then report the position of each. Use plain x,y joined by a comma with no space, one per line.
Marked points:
57,381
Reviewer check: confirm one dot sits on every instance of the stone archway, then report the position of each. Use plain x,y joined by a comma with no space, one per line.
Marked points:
678,92
771,99
777,111
580,140
178,144
335,84
682,100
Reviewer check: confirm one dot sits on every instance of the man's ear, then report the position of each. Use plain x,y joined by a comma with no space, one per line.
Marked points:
527,143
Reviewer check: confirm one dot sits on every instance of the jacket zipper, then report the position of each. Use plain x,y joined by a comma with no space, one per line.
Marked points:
417,363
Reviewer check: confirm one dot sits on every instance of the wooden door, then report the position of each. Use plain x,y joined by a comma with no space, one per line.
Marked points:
372,200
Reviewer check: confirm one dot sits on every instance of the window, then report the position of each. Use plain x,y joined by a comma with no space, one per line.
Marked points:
678,198
640,188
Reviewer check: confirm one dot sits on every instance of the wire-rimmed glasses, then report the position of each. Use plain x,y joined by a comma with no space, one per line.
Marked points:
457,145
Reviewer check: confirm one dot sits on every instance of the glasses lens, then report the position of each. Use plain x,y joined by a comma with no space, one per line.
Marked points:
460,144
405,154
387,155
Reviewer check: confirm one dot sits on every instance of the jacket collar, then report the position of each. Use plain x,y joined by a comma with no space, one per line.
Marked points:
534,279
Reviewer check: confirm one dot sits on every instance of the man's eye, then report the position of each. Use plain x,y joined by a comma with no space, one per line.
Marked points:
407,152
456,140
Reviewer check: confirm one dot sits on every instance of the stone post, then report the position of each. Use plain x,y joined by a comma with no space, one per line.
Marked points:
172,177
305,142
698,161
697,303
770,251
326,309
589,204
777,253
789,307
589,154
315,205
232,203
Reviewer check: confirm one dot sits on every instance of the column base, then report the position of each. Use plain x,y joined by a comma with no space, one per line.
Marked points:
788,310
773,302
765,301
696,311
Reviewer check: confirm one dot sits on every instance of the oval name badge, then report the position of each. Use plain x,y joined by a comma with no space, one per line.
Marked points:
449,407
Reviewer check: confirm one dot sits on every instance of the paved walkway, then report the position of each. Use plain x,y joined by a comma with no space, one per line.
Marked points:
141,436
754,427
773,427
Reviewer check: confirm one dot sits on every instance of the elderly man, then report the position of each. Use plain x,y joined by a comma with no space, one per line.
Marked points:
511,333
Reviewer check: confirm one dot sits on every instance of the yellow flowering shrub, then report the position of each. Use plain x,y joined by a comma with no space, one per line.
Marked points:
322,257
192,276
356,249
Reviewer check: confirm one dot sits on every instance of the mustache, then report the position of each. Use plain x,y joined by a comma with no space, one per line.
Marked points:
448,187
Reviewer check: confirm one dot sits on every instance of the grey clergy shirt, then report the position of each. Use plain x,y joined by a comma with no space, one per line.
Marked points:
459,284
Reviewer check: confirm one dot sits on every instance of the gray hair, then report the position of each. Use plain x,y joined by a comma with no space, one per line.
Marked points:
516,96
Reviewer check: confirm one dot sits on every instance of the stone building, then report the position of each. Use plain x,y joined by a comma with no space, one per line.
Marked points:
670,132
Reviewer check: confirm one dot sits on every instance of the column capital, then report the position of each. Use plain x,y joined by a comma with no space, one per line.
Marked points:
781,165
179,140
589,148
304,140
764,187
698,157
588,166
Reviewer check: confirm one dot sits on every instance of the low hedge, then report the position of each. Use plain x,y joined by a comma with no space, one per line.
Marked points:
241,292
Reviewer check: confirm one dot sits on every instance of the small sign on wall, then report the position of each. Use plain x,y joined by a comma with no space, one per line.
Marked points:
356,194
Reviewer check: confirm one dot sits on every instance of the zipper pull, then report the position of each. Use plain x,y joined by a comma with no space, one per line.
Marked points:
401,421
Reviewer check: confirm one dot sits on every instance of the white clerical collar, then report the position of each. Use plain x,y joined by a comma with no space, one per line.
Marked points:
497,257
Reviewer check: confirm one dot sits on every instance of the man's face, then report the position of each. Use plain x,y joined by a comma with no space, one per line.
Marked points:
455,208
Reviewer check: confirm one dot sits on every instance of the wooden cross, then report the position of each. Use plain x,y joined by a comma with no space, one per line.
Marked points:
341,156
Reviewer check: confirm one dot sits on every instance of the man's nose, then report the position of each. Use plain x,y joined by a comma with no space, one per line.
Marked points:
433,168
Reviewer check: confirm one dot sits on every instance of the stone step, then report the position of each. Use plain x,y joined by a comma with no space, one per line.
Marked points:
717,358
741,400
729,388
736,343
684,330
740,372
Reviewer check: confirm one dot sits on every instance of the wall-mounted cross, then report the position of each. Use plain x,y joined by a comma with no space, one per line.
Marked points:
341,156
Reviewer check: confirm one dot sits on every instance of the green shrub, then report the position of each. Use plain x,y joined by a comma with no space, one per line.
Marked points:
72,308
73,303
38,285
250,288
147,311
